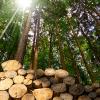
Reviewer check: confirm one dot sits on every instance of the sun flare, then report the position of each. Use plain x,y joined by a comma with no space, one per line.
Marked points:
23,3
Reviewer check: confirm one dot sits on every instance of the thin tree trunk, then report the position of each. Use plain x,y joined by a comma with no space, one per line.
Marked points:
60,47
36,40
50,50
23,40
76,69
88,67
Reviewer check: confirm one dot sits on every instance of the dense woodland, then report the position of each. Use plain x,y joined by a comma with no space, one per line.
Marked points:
53,34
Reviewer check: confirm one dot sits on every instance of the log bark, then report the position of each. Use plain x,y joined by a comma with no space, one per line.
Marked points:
23,40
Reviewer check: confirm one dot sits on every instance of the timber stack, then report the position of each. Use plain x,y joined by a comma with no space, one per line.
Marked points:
49,84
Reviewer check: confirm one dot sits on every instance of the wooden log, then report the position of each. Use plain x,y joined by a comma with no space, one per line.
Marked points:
53,80
98,92
45,82
57,98
18,79
69,80
49,72
95,85
6,84
10,74
17,90
37,83
27,81
60,73
22,72
58,88
92,95
76,89
28,97
43,94
29,76
97,98
11,65
2,74
39,73
4,95
83,97
88,88
66,96
30,71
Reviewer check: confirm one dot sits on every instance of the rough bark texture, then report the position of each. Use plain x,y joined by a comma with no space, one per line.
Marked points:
23,40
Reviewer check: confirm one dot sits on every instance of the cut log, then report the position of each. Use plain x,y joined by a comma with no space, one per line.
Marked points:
18,79
2,74
10,74
83,97
53,80
69,80
60,73
30,76
30,71
45,82
37,83
27,82
50,72
6,84
28,97
11,65
39,73
92,95
97,98
66,96
57,98
95,85
76,89
58,88
17,90
88,88
22,72
43,94
98,92
4,95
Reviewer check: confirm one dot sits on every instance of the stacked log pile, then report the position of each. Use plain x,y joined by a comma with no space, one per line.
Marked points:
49,84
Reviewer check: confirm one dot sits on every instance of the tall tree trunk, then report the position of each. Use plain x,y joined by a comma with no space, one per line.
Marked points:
76,69
23,40
93,49
50,50
36,42
60,47
88,67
